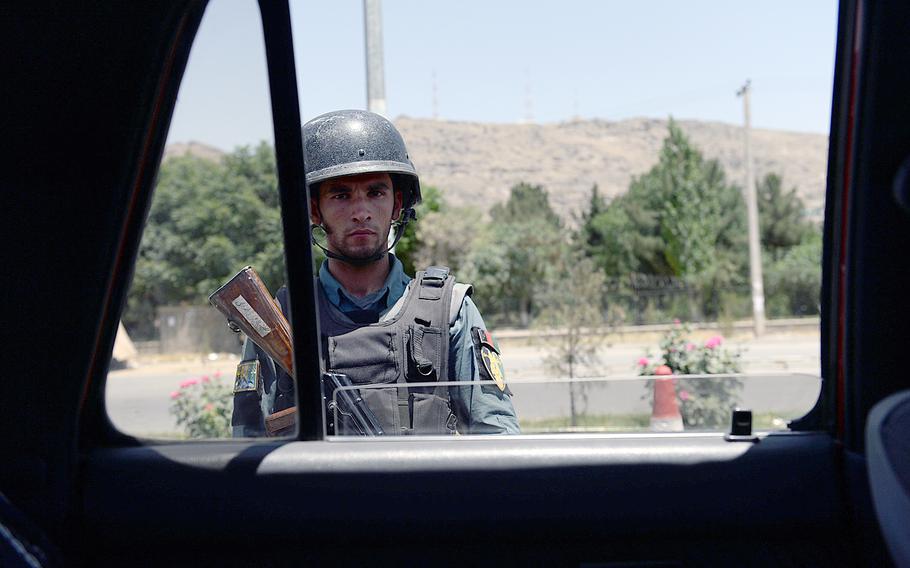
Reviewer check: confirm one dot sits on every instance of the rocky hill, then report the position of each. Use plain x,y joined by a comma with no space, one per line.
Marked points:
477,163
197,149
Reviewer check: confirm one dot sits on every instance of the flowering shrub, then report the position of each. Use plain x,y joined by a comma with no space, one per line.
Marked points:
203,406
703,403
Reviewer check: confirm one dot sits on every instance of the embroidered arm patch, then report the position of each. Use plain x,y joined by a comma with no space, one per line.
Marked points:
489,361
248,377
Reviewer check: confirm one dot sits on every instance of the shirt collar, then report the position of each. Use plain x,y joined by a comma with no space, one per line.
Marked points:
381,300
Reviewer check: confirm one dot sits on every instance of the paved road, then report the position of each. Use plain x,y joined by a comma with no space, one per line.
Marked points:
138,399
783,378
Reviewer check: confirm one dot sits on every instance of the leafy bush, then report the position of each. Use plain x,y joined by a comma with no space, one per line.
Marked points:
704,403
793,281
203,406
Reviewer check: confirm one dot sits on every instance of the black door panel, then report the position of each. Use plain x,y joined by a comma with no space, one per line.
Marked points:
496,491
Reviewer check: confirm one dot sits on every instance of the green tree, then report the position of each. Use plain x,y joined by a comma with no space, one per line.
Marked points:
513,252
570,301
791,247
680,219
208,219
506,263
630,235
793,281
781,216
698,214
411,243
590,235
446,237
526,202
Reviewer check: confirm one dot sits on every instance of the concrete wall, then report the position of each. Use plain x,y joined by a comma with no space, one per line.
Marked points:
195,329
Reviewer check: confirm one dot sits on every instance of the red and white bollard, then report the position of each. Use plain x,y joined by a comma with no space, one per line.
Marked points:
665,416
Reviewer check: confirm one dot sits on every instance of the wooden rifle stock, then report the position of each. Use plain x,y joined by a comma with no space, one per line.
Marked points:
248,306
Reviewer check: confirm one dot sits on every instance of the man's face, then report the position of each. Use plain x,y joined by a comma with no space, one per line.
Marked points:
357,212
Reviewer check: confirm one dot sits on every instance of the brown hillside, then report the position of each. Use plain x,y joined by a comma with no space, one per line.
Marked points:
477,163
195,149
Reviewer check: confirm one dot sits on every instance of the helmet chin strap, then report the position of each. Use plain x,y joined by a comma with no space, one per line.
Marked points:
406,216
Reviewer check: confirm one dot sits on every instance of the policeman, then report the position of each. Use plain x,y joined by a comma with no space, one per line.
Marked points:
378,325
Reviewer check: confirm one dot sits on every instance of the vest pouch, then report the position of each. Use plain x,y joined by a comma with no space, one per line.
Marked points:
384,404
424,345
367,355
432,415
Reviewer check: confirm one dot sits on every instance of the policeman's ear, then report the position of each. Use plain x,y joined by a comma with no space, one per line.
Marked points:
315,217
396,212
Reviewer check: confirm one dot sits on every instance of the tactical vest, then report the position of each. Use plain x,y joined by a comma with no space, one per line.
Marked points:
410,343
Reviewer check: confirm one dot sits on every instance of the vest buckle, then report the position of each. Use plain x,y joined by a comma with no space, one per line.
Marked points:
435,276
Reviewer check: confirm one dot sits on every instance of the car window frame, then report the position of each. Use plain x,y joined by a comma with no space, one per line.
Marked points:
279,40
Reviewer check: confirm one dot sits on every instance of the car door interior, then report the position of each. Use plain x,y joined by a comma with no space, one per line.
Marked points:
90,93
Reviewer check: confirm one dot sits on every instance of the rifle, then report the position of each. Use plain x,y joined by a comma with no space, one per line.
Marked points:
249,307
246,303
350,407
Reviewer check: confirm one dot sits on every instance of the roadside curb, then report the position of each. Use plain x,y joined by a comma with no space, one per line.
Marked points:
644,333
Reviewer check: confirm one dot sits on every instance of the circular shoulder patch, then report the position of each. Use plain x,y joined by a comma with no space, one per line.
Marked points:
493,363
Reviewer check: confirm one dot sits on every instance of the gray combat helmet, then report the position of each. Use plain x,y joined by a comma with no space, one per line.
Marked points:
351,142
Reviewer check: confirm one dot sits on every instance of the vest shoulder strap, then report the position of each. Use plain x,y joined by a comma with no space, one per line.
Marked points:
434,290
459,291
397,306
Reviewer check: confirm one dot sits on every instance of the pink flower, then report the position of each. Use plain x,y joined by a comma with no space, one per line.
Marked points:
690,346
683,395
175,394
643,362
714,342
188,383
676,321
209,407
217,374
205,378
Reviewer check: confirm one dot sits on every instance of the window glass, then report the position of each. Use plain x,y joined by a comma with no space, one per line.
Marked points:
615,404
215,209
586,167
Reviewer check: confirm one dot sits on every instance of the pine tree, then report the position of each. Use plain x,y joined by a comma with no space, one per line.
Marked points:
589,235
681,219
781,216
525,202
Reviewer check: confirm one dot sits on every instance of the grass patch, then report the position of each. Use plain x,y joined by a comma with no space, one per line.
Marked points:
597,422
773,420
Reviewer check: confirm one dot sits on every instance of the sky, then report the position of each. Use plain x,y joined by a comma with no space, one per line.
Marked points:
509,61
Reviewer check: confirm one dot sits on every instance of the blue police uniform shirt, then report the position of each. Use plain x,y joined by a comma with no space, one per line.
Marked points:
487,409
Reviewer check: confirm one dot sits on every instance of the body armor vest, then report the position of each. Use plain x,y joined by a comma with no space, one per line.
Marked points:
410,343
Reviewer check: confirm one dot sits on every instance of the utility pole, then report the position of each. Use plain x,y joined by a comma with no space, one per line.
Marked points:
758,289
372,22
